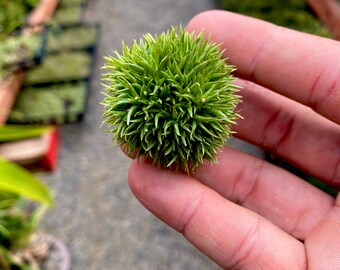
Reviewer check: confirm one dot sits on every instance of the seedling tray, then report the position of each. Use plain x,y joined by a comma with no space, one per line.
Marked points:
51,104
67,15
67,3
72,37
61,67
20,50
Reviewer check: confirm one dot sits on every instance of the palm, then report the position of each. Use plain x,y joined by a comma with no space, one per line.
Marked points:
243,212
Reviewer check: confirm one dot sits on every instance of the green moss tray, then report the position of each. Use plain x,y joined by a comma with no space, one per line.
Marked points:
61,67
74,37
67,15
57,103
67,3
21,50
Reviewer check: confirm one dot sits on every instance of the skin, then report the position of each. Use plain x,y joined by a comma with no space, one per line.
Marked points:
245,213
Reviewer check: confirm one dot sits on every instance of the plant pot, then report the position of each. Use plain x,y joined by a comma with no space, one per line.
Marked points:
43,252
58,255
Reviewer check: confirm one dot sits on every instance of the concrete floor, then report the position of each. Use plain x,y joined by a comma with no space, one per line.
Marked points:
96,215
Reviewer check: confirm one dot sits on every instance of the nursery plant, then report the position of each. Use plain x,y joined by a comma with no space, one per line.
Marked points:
170,98
18,223
19,217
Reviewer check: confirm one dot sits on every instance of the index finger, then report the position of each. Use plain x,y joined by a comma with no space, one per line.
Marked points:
232,236
300,66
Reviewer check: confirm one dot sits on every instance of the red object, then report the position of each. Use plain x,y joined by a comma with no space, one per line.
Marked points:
50,160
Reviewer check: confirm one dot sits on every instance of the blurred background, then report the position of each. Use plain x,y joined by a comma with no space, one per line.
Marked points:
51,54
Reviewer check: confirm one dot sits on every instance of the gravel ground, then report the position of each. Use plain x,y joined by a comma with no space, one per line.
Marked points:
96,215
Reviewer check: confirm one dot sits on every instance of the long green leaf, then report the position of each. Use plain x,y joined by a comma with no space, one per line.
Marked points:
15,132
15,179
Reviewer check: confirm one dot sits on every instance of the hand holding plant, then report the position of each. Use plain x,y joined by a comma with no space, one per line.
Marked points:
243,212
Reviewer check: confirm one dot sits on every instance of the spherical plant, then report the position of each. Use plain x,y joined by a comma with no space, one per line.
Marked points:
170,98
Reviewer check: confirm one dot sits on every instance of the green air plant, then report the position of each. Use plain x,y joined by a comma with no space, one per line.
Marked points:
170,98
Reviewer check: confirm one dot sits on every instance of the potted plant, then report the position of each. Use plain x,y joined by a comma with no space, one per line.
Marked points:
21,246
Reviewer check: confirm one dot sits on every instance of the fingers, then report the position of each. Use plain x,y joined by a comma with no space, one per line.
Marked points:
232,236
291,204
322,246
290,130
300,66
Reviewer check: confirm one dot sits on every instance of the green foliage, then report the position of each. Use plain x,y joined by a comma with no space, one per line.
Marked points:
13,13
170,98
68,3
16,228
291,13
61,39
67,15
55,103
17,222
19,181
15,132
15,50
63,66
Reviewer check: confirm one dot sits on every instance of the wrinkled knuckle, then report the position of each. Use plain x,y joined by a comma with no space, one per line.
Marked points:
189,214
246,252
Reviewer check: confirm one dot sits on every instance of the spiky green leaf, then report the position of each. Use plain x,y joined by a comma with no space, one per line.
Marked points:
171,97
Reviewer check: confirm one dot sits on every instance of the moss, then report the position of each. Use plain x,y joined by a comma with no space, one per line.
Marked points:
19,49
67,3
61,67
71,38
67,15
57,103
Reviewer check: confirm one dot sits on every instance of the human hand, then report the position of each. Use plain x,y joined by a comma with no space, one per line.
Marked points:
245,213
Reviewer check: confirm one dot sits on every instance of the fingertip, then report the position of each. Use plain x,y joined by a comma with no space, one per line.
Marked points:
136,177
147,181
202,20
